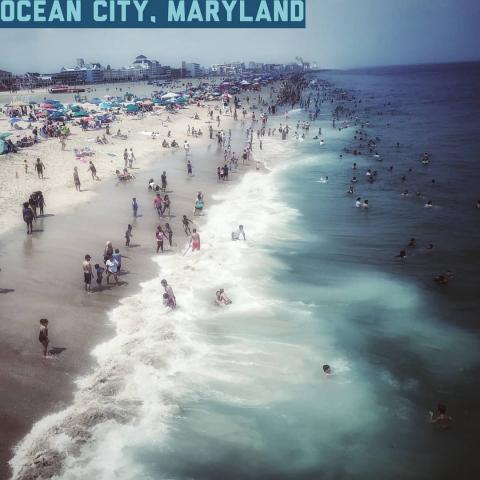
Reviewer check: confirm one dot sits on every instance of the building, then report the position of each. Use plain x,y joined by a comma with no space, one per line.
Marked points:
70,76
6,80
233,68
191,70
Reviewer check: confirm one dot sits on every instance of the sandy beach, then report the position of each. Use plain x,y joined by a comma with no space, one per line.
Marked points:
41,273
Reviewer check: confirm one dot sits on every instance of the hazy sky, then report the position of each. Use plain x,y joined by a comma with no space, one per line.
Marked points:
339,33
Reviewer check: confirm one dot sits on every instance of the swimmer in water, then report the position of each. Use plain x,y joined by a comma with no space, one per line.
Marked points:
440,417
353,180
221,298
412,243
402,255
350,190
365,204
429,204
327,370
354,167
358,202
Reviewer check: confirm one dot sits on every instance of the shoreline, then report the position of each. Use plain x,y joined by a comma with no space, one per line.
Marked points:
77,325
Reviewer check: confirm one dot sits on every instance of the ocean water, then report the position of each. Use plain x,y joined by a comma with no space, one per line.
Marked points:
205,392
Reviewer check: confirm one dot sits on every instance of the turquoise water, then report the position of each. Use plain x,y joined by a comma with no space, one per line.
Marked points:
239,393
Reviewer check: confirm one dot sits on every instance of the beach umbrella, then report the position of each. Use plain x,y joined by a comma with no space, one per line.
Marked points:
132,108
169,95
96,101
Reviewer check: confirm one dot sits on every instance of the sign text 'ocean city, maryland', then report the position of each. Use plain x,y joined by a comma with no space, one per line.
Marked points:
152,13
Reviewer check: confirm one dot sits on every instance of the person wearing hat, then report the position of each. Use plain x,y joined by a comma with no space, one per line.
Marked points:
87,272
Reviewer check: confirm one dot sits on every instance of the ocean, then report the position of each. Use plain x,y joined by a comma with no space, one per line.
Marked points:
239,392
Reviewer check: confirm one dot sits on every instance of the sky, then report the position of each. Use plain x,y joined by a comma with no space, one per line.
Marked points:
339,34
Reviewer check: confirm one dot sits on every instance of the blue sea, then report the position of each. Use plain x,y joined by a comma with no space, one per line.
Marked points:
210,393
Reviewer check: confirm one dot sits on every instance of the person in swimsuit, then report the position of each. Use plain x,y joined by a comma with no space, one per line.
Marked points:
186,227
76,179
169,292
27,213
164,181
128,235
160,237
112,269
238,233
87,272
440,417
39,167
43,336
99,271
169,233
92,170
221,298
195,240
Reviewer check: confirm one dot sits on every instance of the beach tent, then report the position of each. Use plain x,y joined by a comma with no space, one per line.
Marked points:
105,105
132,108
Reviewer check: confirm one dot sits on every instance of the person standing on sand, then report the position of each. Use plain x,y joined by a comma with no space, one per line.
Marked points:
128,235
169,292
87,273
43,336
76,179
134,206
186,147
99,270
117,257
39,167
131,158
195,240
125,157
189,169
108,250
112,269
92,170
160,237
27,213
41,203
169,233
164,181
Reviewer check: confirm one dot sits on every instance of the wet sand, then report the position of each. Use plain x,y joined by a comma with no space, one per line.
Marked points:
42,277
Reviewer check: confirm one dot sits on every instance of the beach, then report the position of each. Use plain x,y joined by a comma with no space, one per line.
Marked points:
336,352
41,273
